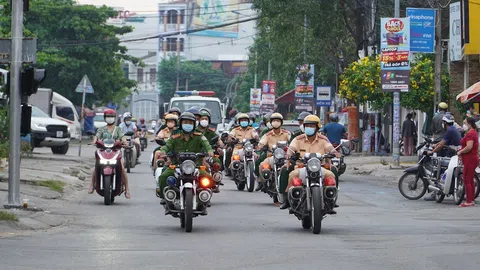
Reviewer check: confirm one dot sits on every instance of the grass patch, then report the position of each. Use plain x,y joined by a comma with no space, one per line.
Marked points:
52,184
4,215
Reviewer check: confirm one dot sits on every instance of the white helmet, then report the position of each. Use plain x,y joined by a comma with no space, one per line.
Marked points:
448,118
127,115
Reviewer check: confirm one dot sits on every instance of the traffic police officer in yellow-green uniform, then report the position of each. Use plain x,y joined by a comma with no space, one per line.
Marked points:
205,120
269,140
187,140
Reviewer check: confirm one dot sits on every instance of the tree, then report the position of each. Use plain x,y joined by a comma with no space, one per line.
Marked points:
361,82
74,40
200,75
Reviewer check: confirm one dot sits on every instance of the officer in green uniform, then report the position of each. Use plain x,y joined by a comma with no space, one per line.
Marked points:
188,140
299,131
205,120
266,124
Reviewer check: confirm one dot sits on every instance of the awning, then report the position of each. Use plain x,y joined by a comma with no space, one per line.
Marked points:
288,97
470,94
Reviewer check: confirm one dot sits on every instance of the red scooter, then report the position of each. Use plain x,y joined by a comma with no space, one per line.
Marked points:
109,180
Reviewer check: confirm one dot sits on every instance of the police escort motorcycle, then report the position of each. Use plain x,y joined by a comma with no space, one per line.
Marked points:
187,193
271,172
311,196
243,165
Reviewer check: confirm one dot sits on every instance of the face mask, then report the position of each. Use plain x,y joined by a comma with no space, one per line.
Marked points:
244,124
204,123
302,128
170,125
465,127
187,128
197,123
110,120
251,122
269,126
309,131
255,125
276,124
128,123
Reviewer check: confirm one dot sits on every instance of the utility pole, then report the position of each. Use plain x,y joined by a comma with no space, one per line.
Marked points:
438,58
15,105
256,68
269,65
305,39
396,110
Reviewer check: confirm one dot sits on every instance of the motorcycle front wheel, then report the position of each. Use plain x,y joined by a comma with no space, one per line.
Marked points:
107,190
127,162
317,209
251,177
459,190
409,183
188,210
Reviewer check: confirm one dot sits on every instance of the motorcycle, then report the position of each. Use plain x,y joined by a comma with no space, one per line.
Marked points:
215,168
187,193
271,175
143,140
451,183
344,149
130,152
311,196
243,165
109,182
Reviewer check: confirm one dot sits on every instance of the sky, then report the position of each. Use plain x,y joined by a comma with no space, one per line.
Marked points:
130,5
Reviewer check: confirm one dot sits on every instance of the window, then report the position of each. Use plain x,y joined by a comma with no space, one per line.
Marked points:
171,44
140,75
172,17
65,112
153,75
214,107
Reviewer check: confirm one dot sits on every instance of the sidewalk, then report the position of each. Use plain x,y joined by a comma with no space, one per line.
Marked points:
48,182
379,166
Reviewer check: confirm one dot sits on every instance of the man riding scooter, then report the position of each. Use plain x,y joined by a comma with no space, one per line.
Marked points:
127,126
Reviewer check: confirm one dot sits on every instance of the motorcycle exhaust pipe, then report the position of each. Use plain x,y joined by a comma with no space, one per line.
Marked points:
434,188
170,195
295,193
330,193
205,196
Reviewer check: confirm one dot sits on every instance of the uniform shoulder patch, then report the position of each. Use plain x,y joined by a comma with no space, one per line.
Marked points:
176,136
197,134
300,137
269,132
286,131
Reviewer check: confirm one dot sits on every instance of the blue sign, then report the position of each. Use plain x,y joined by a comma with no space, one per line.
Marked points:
422,29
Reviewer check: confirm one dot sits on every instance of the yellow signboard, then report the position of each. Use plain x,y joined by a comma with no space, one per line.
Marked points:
473,46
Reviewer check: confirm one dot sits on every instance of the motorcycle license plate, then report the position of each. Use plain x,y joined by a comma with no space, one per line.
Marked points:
59,134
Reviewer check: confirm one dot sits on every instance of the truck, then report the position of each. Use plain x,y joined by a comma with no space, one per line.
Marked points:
185,100
58,107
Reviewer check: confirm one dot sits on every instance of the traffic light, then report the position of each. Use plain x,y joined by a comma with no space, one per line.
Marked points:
31,79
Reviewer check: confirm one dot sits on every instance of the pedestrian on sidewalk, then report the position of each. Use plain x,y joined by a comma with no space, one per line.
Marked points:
469,155
409,132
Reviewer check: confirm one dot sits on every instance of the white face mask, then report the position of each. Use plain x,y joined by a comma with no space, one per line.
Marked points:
197,123
465,127
269,126
276,124
302,128
204,123
110,120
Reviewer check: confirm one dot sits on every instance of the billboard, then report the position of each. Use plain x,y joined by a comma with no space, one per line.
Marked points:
324,96
255,99
422,29
268,96
395,58
455,43
207,13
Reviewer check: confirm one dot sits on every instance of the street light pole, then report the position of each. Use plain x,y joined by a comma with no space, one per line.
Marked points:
15,105
396,110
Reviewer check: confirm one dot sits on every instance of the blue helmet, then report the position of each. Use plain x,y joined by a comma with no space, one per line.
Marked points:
194,111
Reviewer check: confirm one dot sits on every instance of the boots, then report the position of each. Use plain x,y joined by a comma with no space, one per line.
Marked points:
286,203
259,186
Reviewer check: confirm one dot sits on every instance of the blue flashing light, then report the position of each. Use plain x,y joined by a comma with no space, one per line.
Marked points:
171,181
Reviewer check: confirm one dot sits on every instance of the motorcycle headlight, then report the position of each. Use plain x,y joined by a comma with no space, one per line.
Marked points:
279,153
248,147
314,165
188,167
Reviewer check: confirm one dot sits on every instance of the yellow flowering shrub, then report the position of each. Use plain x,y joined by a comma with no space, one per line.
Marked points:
361,82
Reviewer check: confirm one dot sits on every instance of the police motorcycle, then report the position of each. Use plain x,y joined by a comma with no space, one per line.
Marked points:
187,193
214,168
243,165
130,151
271,175
311,196
109,180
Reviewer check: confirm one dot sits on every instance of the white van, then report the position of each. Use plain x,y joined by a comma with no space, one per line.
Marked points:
58,107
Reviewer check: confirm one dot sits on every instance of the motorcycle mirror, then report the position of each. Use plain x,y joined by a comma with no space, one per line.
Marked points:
160,142
130,133
214,140
150,131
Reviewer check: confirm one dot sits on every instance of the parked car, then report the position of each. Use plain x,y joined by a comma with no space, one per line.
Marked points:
49,132
98,121
290,125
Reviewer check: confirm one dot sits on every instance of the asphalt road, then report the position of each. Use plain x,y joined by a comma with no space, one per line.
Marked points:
375,228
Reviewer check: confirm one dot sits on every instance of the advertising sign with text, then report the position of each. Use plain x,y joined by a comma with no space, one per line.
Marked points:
422,29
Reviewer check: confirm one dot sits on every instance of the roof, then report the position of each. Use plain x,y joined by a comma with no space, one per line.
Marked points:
288,97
